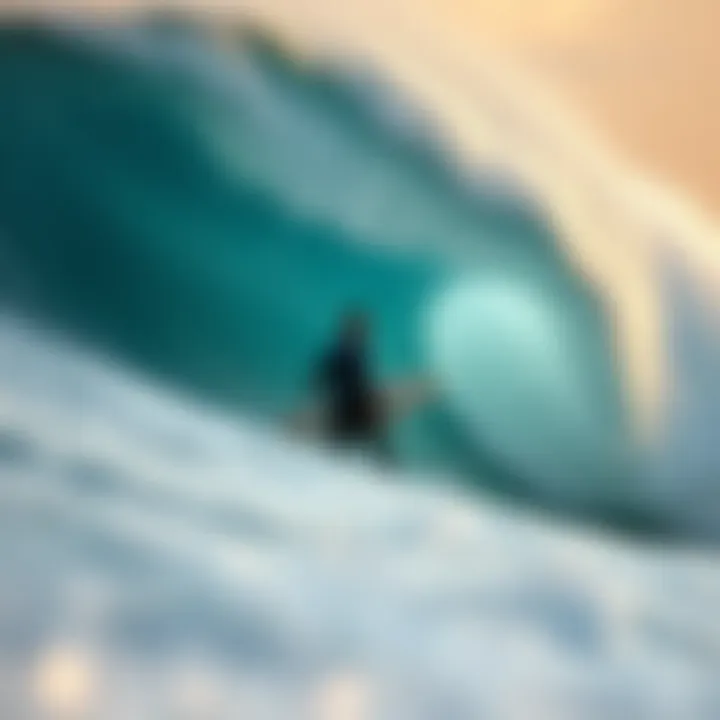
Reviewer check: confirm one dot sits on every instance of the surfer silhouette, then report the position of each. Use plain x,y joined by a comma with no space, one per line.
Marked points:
350,408
353,405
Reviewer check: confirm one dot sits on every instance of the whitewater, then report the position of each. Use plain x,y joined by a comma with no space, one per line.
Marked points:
160,560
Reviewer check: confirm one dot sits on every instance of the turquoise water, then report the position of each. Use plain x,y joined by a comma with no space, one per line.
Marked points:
208,215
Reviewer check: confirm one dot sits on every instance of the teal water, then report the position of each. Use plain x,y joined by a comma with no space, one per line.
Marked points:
207,216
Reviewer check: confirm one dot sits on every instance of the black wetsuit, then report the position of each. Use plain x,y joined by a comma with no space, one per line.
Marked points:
354,407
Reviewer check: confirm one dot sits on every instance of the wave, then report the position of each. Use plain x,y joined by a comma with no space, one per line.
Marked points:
165,552
207,212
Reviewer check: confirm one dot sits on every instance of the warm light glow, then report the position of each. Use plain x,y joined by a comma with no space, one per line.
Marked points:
65,682
343,697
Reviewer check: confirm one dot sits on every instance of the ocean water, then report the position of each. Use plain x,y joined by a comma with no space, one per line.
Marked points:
210,215
182,224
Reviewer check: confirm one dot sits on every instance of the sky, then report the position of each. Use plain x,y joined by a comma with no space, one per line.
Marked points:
605,109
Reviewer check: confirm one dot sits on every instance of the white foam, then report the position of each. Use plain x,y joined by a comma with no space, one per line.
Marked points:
139,530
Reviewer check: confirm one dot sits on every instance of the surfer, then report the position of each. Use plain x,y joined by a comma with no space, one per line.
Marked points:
353,405
350,408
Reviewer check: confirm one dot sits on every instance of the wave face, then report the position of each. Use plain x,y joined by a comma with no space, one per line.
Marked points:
207,214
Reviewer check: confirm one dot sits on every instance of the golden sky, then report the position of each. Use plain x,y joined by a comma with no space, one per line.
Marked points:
573,95
646,74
